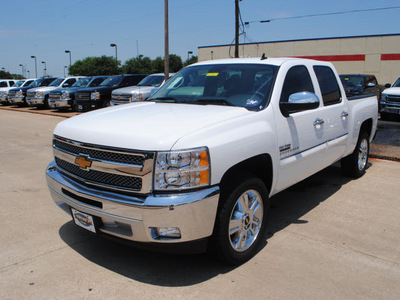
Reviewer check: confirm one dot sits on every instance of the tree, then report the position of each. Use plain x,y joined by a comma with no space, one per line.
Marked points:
175,63
158,65
93,66
138,65
190,61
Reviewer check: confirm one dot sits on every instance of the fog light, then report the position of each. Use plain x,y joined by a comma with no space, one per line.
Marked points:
161,233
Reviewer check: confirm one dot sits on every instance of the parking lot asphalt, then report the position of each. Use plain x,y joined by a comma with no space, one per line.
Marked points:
330,237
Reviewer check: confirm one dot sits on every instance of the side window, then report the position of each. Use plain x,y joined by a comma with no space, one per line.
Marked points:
70,81
97,81
328,85
12,83
134,80
297,80
125,82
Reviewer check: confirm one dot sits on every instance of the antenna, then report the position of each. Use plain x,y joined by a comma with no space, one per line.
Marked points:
263,57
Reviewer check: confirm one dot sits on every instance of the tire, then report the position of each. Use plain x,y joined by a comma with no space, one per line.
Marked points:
241,222
46,102
356,163
386,116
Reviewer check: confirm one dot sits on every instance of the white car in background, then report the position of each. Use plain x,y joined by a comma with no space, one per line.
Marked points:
143,90
5,90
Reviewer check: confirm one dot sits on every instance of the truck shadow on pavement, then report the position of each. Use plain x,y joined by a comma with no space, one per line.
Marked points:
288,207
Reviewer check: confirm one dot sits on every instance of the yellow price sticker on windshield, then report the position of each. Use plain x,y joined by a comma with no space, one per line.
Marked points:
212,74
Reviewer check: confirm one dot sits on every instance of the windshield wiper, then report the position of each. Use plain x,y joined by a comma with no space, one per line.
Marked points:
215,101
168,98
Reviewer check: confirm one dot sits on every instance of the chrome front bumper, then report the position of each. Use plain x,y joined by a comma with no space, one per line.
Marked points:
35,101
132,217
59,103
16,100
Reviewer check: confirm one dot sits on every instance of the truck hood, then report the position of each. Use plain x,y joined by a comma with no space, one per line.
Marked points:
96,89
44,88
144,126
127,90
392,91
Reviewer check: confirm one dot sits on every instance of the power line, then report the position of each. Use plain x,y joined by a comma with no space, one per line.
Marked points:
324,14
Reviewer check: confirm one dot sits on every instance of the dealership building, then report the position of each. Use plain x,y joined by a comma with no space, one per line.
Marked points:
371,54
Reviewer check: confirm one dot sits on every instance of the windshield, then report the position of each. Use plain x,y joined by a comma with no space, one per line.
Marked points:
243,85
28,83
112,81
19,83
352,80
152,80
47,81
36,83
396,83
56,82
82,82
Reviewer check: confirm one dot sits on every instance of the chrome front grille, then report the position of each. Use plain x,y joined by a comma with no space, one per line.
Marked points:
110,168
106,179
82,96
393,98
122,98
12,93
30,94
55,96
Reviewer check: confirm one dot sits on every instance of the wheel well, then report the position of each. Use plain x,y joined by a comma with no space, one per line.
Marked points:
367,127
259,166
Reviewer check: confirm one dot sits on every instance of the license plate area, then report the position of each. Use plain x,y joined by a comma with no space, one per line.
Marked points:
84,220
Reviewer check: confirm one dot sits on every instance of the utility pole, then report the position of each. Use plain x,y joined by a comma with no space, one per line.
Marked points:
236,28
166,58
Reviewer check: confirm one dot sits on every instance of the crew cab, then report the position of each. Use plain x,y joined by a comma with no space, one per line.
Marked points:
97,97
41,94
64,98
19,95
390,101
197,162
142,91
4,91
7,82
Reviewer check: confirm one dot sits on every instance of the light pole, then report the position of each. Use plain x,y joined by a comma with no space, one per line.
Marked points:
45,68
35,64
70,60
65,67
116,51
21,65
189,52
212,55
29,73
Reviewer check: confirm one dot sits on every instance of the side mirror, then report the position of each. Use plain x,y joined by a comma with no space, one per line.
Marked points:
299,102
388,85
65,85
371,84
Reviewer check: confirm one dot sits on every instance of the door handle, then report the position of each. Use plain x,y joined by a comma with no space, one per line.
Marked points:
344,115
318,123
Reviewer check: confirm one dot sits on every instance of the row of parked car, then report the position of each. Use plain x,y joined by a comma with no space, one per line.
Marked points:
87,93
388,95
79,93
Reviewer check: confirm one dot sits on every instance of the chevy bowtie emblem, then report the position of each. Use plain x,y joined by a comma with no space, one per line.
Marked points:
83,162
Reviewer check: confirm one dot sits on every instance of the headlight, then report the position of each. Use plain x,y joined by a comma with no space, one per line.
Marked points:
64,95
95,96
182,169
18,93
384,96
137,97
39,94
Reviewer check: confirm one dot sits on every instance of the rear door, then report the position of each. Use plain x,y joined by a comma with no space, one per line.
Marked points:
335,113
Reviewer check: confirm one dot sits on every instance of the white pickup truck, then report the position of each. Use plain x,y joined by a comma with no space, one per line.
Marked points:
197,163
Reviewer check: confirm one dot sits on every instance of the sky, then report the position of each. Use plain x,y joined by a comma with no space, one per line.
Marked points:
46,29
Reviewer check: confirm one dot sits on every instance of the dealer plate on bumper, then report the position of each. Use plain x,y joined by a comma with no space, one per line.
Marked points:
83,220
